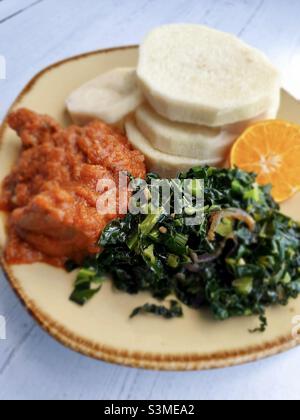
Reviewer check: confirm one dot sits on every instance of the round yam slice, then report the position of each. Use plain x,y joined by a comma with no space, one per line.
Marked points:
165,165
194,74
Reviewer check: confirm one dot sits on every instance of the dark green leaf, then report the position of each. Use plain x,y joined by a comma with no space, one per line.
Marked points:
175,310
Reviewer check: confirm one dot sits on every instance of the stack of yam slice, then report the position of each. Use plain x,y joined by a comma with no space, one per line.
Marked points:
202,89
194,92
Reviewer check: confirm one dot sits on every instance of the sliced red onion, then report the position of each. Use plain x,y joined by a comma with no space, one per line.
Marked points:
232,213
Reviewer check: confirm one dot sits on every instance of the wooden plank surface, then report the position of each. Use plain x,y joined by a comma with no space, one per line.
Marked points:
34,34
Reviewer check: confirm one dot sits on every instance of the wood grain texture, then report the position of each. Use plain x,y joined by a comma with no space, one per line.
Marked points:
32,36
12,8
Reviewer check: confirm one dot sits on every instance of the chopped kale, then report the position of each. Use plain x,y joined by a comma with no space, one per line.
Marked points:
242,257
175,310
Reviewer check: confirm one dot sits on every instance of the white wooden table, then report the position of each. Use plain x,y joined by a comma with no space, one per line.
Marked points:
34,34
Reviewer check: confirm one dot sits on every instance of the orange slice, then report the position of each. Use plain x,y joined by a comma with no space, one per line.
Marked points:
271,149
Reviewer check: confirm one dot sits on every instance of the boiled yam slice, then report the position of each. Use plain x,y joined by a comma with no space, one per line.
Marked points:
110,98
181,139
165,165
194,74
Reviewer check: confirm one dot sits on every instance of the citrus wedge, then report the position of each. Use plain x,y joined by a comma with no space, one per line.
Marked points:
271,149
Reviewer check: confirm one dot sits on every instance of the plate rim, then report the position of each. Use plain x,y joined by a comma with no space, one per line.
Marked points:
151,361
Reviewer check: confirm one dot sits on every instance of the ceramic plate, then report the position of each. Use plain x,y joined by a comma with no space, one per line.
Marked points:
102,328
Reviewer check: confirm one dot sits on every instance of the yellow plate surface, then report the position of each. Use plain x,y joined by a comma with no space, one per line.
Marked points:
102,328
